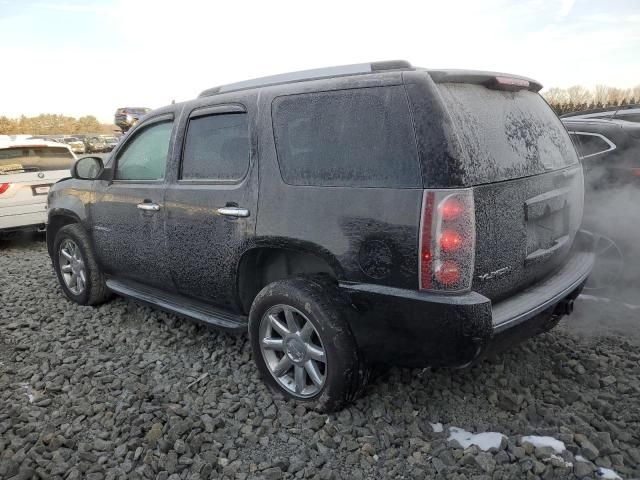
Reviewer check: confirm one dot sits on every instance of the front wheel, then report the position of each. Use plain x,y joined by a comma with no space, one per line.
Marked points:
302,343
76,267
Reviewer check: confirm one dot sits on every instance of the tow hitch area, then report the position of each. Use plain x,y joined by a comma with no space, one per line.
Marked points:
565,307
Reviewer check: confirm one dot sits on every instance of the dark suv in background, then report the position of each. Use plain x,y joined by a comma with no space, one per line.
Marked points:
609,150
127,117
349,216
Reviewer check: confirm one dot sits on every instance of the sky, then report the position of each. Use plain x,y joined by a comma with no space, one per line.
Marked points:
90,57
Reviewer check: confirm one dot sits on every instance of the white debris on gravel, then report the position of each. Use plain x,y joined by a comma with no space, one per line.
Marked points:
559,461
580,458
437,427
536,441
484,441
28,392
608,474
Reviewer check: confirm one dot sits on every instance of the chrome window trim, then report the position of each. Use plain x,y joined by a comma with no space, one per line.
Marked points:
612,146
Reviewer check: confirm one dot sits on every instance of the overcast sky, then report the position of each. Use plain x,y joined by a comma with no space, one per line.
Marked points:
90,57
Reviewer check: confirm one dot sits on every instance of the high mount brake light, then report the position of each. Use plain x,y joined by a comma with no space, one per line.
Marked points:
447,240
510,84
4,187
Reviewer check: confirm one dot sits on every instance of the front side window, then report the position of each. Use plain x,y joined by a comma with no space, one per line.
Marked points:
216,148
359,138
145,156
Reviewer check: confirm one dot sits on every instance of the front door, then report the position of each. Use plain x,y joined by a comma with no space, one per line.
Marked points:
128,216
211,204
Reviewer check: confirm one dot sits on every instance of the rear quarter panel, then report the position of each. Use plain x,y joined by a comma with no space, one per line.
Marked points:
371,233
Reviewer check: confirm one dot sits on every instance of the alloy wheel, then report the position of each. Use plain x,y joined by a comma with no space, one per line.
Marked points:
293,351
72,267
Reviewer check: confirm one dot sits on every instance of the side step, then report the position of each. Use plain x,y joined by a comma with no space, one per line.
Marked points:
180,305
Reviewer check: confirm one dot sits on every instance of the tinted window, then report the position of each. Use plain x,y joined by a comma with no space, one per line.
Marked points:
590,144
216,147
505,135
360,138
19,159
145,155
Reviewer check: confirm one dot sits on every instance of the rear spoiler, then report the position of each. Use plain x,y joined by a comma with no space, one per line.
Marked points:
494,80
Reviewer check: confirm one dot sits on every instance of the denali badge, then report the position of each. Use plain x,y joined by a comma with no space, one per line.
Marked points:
494,274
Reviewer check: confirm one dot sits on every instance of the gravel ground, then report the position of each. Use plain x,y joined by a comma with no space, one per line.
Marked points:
125,391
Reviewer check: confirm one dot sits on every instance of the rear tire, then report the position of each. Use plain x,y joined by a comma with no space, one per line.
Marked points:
73,258
298,321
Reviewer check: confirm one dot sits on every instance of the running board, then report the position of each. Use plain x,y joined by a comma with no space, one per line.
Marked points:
180,305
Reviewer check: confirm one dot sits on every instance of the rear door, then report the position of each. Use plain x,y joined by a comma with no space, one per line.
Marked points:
26,173
211,206
528,184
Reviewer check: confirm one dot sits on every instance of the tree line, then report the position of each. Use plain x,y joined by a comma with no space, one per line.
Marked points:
562,100
53,124
578,98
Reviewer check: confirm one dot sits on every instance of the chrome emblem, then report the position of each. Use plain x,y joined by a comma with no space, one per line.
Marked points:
496,273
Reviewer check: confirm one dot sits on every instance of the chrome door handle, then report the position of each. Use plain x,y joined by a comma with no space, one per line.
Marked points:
233,211
149,207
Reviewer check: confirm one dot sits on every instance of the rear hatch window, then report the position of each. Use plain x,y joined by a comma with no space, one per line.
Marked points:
22,159
527,184
505,135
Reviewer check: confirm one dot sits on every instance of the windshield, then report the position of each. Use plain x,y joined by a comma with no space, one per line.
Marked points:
21,159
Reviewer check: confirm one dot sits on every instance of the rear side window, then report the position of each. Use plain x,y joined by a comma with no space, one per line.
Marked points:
505,135
33,158
358,138
216,148
589,144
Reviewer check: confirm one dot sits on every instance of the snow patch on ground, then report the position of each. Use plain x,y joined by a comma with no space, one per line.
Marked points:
536,441
484,441
437,427
28,392
608,474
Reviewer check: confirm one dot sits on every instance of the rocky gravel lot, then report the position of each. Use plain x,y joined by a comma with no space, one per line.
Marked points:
125,391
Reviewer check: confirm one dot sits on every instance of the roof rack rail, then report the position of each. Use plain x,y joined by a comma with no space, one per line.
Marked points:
314,74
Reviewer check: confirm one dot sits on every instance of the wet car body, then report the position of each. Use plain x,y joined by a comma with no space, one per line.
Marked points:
523,264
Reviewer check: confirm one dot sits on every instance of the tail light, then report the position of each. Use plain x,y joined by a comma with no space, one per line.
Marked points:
447,240
4,187
635,172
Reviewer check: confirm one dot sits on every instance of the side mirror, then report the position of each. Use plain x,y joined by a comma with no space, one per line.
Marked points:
87,168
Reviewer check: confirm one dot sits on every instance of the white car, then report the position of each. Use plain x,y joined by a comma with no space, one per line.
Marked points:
27,169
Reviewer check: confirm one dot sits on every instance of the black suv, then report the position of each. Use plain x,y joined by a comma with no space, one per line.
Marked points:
350,216
609,150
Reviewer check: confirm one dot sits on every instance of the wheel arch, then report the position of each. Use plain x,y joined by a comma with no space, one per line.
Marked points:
269,262
59,218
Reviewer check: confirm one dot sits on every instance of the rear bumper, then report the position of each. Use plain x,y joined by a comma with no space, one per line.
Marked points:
16,221
413,328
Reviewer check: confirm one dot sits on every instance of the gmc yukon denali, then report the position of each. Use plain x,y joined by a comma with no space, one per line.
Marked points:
345,217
